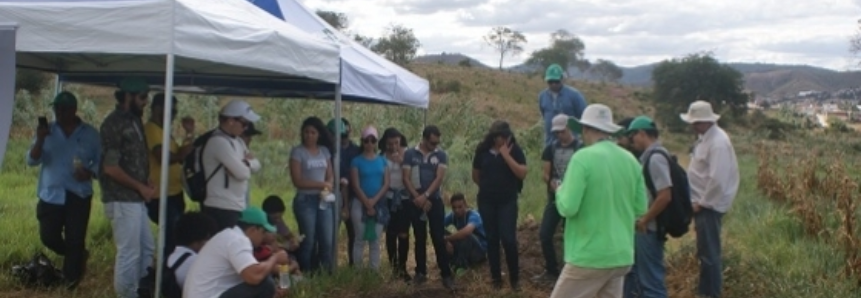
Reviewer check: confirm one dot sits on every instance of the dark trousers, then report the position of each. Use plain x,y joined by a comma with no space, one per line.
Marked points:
499,216
708,227
265,289
467,252
435,218
63,229
175,209
351,239
549,223
398,238
224,218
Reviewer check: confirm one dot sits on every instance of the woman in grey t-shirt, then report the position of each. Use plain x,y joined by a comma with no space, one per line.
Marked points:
311,174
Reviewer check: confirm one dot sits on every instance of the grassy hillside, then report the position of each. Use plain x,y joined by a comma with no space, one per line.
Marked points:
765,257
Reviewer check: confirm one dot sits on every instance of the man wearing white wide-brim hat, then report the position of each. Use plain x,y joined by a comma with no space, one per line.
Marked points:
714,178
601,196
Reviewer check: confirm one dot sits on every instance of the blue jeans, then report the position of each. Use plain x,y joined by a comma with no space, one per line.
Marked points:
319,229
135,246
708,227
549,223
647,276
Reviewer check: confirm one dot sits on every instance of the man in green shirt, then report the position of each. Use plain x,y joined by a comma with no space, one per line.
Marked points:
601,197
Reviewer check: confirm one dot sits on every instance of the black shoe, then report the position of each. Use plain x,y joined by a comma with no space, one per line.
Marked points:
420,279
515,286
497,284
448,283
545,277
403,275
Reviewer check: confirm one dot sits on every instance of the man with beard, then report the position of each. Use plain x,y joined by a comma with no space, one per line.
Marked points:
623,140
126,186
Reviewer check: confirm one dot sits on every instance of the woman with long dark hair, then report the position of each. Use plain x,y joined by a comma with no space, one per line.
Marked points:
392,146
498,169
311,174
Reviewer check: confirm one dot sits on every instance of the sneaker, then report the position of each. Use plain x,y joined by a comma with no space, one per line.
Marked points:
545,277
448,283
420,279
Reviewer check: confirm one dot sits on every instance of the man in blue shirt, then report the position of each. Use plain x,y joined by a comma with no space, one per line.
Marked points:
467,246
68,151
557,99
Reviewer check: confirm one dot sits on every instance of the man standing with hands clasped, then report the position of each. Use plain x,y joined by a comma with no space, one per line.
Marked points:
126,186
713,177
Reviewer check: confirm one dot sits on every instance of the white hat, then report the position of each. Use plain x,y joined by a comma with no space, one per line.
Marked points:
700,111
239,108
599,117
559,123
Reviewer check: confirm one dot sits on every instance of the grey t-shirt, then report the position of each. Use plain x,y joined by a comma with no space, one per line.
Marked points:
659,171
313,166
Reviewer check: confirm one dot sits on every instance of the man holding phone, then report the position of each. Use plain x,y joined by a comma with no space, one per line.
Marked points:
68,152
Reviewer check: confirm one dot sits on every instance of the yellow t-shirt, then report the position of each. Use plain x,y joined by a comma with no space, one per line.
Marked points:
174,177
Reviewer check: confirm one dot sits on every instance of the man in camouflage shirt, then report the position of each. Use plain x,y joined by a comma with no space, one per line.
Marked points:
126,186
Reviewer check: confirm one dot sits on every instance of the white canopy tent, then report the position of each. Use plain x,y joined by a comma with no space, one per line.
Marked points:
365,76
217,46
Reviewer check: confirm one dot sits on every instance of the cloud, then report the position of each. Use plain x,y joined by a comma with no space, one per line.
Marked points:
628,32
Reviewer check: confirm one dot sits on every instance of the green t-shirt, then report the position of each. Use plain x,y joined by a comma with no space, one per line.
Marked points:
601,197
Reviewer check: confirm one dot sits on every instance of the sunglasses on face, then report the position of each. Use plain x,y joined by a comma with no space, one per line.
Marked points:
370,141
554,82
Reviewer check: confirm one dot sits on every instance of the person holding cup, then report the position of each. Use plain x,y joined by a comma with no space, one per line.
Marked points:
68,152
311,174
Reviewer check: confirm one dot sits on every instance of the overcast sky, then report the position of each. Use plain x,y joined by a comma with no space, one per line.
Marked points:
628,32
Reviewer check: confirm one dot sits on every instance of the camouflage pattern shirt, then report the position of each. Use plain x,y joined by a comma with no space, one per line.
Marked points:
123,145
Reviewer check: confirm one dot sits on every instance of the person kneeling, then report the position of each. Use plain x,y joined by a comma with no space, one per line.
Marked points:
467,246
226,266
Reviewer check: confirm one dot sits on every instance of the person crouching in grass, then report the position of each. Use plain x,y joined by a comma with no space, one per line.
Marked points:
468,246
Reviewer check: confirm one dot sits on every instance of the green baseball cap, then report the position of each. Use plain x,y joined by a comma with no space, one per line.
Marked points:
256,216
553,73
641,123
342,128
65,99
133,85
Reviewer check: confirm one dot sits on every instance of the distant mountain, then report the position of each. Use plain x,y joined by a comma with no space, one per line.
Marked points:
449,59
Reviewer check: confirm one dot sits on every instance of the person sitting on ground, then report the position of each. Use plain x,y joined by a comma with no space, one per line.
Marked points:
193,230
270,246
467,246
274,207
226,266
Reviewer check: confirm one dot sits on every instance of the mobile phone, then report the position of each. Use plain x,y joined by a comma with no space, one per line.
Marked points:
43,122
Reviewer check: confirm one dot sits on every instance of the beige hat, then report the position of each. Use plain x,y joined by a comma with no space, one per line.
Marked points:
700,111
559,123
599,117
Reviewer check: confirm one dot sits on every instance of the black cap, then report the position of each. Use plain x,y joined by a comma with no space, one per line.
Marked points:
250,131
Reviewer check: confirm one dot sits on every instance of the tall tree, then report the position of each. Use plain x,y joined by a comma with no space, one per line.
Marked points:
399,44
505,41
583,65
338,20
565,49
606,70
855,42
679,82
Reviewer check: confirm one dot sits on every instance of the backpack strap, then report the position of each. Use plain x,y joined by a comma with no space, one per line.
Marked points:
179,261
648,177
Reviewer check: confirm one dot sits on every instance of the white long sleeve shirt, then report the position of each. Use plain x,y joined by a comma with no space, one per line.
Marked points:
713,171
230,152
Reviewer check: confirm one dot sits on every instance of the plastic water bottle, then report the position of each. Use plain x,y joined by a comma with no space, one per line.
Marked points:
284,276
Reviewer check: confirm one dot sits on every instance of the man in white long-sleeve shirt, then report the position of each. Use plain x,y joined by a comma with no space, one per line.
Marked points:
714,178
226,152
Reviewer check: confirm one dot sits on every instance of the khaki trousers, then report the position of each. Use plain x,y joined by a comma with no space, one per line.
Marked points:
577,282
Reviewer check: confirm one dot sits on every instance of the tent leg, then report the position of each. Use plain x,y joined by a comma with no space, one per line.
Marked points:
337,169
58,85
165,158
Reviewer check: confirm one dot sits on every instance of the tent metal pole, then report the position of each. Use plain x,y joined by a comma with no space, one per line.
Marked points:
57,84
165,154
337,169
165,162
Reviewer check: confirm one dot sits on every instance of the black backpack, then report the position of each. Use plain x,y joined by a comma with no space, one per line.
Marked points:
38,273
169,287
195,176
675,220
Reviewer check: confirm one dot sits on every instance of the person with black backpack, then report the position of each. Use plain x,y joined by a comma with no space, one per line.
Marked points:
646,278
